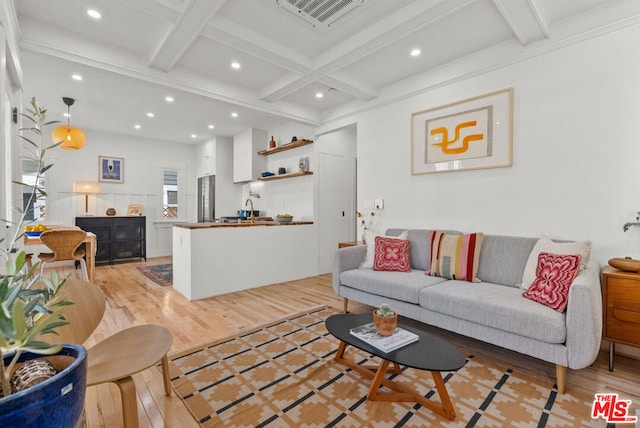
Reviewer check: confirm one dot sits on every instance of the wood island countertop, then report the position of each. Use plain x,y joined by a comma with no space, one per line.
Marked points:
243,224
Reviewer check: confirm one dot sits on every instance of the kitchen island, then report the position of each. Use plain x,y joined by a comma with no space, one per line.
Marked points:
210,259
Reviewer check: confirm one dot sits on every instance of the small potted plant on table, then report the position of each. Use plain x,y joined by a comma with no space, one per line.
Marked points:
385,320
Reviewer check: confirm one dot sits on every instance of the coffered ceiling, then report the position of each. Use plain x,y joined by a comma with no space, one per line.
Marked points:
141,51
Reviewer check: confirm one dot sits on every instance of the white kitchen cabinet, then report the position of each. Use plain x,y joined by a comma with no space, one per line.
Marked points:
205,156
247,164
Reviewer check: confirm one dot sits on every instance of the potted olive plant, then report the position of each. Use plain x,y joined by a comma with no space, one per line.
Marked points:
385,320
36,391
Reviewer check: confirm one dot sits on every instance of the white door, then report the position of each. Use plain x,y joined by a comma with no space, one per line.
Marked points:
336,206
5,142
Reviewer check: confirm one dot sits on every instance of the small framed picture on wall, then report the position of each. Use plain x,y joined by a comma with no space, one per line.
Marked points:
111,169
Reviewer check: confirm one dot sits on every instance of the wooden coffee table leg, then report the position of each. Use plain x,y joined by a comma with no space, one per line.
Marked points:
401,393
378,379
445,400
340,353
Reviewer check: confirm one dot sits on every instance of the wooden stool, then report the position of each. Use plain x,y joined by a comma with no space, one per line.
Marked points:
125,353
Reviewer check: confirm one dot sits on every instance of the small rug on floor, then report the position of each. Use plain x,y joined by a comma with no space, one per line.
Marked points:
160,274
283,374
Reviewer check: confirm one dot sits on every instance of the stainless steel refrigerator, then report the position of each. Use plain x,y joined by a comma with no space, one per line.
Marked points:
206,198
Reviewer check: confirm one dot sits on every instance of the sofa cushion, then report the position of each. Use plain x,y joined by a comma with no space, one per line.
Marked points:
503,258
496,306
546,245
391,254
419,246
370,239
403,286
554,275
455,256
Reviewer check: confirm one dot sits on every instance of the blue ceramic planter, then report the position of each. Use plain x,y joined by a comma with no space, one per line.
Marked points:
54,403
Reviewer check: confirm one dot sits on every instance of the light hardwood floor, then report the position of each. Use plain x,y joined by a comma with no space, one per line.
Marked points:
132,299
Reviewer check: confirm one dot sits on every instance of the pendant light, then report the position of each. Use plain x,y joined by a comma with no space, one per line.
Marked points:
71,138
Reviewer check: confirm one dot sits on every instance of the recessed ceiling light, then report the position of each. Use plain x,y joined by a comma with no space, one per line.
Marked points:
319,95
415,52
168,99
137,126
150,114
235,65
194,136
234,114
94,13
211,126
76,77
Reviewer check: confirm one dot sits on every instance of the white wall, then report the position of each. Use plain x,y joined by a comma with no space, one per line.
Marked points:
143,160
294,196
10,93
575,171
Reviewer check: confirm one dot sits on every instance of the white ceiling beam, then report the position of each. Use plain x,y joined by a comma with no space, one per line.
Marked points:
349,85
41,39
231,34
527,19
541,16
255,44
392,28
187,27
155,8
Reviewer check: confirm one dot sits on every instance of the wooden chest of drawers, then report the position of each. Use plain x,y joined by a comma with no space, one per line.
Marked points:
620,309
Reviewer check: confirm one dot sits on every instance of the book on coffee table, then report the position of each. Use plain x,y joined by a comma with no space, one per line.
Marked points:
368,334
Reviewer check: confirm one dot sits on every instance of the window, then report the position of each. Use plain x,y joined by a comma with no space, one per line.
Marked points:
169,193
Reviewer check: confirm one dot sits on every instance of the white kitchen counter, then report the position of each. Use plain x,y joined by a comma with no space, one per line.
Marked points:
210,261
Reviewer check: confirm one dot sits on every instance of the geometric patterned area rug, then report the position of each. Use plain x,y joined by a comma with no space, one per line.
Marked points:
160,274
283,374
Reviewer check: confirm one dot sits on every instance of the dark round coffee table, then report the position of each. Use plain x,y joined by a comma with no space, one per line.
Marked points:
428,353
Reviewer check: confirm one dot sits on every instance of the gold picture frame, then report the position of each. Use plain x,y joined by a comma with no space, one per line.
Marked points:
134,209
475,133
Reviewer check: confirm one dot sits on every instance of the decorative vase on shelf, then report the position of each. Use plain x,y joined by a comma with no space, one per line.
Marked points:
272,143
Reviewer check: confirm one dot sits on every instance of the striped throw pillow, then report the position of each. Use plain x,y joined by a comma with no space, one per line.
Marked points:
455,256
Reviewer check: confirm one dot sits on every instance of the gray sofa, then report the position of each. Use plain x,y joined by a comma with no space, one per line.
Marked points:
492,311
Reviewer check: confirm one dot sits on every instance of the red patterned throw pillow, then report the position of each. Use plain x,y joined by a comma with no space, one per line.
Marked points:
554,275
391,254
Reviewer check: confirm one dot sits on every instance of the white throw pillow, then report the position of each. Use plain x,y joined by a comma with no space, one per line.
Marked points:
370,239
546,245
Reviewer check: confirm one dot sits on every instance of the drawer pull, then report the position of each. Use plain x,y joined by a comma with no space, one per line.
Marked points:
626,305
627,316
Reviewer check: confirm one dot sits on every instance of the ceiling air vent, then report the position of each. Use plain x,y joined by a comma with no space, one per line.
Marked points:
320,14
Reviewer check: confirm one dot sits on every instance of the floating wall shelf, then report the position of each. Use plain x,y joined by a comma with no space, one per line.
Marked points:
284,147
288,175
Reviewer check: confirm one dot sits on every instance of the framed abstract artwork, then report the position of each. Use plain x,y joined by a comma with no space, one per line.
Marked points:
110,169
475,133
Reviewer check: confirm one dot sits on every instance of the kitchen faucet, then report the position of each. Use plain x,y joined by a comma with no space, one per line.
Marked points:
251,216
